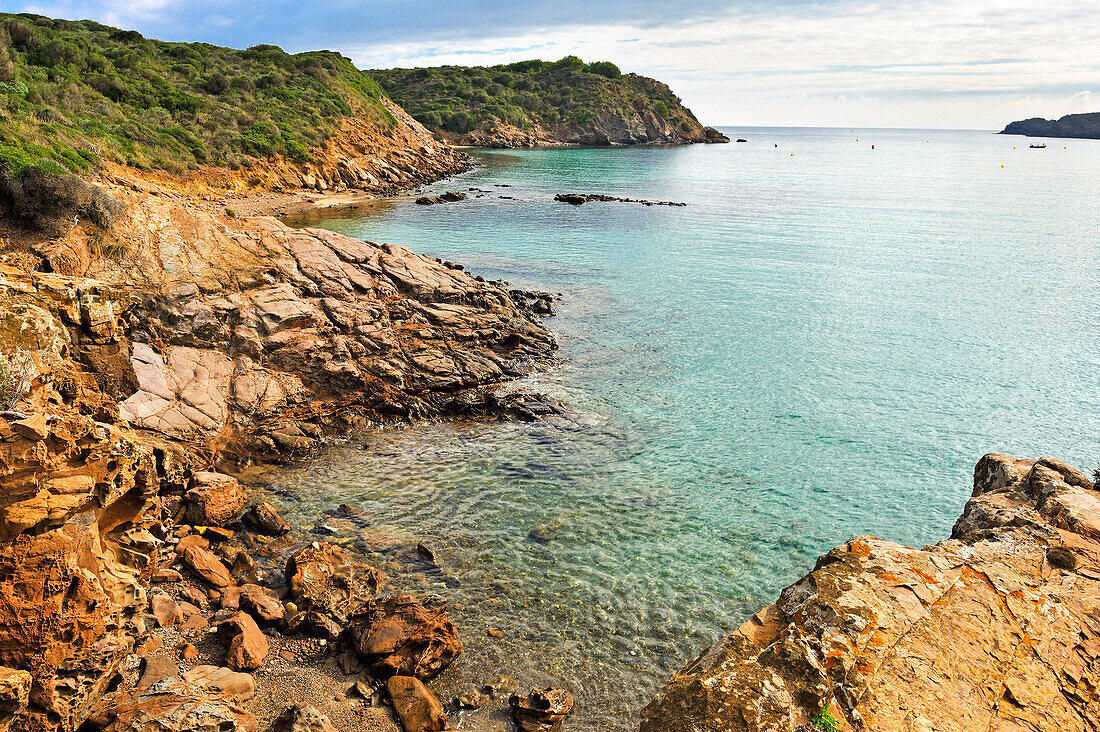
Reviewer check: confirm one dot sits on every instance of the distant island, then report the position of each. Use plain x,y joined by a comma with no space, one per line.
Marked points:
531,103
1085,126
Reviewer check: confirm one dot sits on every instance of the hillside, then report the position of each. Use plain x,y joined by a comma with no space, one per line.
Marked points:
1072,125
538,102
77,97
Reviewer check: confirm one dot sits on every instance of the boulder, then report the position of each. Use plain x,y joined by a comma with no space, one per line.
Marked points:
246,645
171,705
214,499
207,566
264,519
416,706
404,635
165,610
264,607
311,623
543,710
323,578
221,680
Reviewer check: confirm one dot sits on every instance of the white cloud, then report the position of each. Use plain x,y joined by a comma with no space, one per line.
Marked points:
957,63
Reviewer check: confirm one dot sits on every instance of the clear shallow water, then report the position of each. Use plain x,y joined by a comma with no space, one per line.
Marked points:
820,345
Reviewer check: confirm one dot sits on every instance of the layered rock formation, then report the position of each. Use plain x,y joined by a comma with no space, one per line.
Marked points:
182,340
996,628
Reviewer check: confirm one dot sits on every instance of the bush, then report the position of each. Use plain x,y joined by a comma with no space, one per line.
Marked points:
660,109
216,84
825,721
604,68
52,200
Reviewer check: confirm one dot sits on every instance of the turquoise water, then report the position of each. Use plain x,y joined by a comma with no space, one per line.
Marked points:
820,345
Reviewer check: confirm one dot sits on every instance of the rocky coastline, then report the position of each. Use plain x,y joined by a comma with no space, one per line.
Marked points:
144,586
995,628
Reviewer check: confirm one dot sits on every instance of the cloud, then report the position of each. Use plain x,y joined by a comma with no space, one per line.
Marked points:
954,63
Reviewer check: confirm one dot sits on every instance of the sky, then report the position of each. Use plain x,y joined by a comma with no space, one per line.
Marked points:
943,64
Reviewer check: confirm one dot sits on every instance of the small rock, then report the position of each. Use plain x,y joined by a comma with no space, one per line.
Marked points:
194,596
349,663
494,632
191,540
416,706
187,651
167,575
472,700
214,499
255,601
156,666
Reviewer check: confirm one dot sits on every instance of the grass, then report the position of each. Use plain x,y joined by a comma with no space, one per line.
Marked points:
526,94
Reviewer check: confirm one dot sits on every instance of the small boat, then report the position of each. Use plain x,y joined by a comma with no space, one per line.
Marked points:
1038,147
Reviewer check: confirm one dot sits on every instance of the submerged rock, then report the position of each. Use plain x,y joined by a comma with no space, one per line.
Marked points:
543,710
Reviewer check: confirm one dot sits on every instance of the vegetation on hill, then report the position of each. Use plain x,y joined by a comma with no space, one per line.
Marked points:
529,94
73,93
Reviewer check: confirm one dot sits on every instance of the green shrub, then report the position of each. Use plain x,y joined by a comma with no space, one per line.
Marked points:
661,109
825,721
604,68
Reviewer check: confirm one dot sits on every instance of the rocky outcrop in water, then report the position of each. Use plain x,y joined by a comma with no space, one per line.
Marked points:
578,199
1085,126
997,627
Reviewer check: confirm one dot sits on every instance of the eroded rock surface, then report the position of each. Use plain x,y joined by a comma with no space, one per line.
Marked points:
996,628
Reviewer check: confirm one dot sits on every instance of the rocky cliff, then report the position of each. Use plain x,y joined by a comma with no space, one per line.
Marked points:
996,628
1072,125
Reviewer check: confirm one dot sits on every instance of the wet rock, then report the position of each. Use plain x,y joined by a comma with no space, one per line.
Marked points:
503,684
407,636
214,499
302,718
448,197
543,710
578,199
472,700
714,136
208,567
324,578
416,706
264,519
246,646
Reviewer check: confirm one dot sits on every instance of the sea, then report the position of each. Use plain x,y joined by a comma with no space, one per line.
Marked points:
819,345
